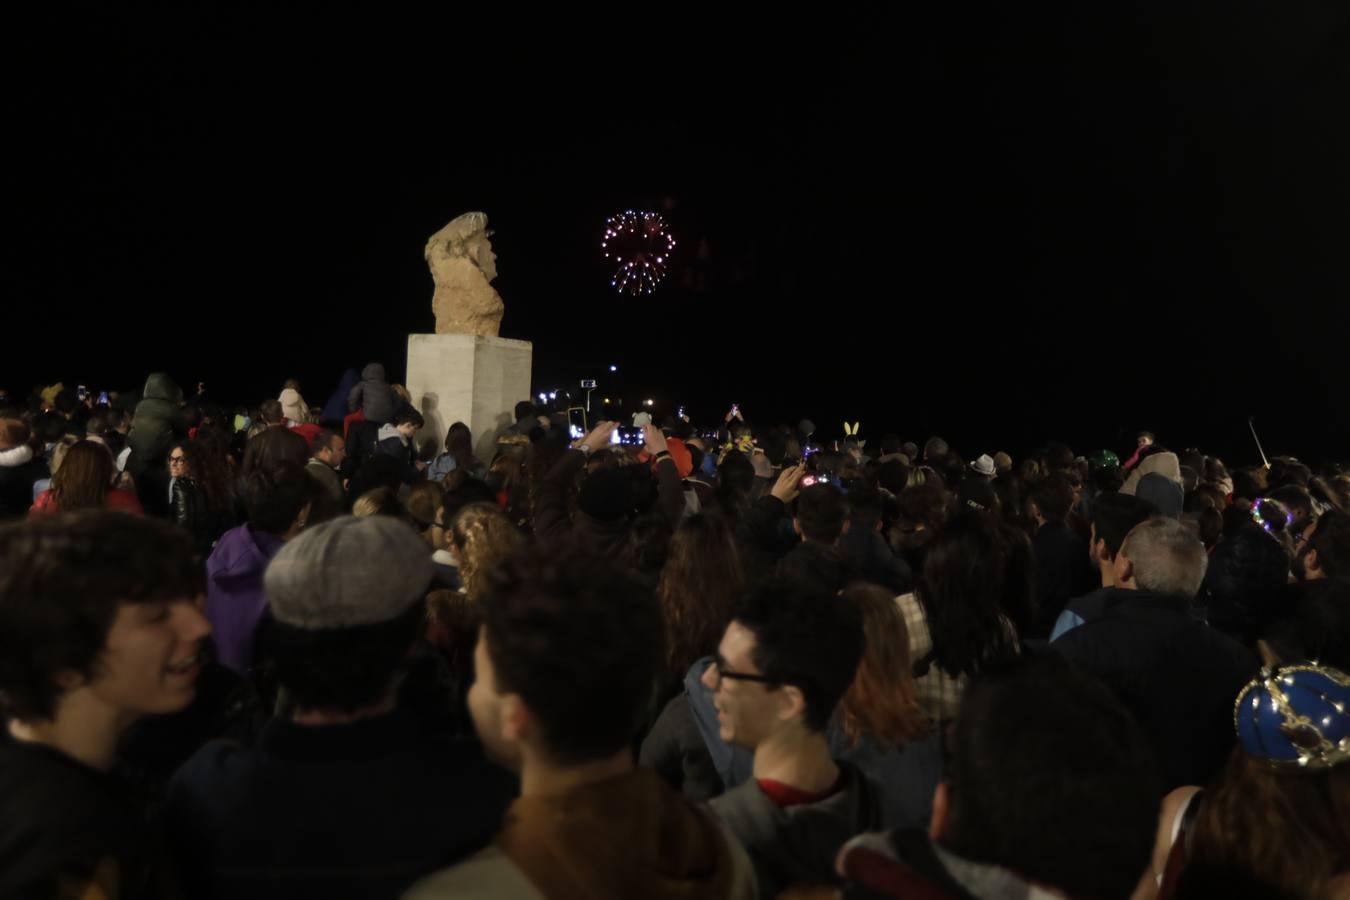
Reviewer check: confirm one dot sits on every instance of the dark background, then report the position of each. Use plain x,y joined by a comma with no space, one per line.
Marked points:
1005,225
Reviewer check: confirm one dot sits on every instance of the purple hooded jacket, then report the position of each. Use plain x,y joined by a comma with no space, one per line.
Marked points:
234,591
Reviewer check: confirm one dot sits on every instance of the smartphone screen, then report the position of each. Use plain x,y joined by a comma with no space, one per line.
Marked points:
576,422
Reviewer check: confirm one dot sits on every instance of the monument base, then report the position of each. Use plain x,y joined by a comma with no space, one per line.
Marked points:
467,378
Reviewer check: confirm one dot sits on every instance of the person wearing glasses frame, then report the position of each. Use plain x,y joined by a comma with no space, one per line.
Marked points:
781,668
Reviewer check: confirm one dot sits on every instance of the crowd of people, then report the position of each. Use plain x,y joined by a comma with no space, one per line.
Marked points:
287,650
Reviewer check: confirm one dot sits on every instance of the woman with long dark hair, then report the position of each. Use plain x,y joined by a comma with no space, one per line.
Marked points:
84,481
699,583
956,618
458,455
200,494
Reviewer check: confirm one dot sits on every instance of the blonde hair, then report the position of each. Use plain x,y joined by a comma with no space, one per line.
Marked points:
377,501
483,535
424,499
60,450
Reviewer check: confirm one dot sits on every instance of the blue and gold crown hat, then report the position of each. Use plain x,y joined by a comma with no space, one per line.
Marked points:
1296,717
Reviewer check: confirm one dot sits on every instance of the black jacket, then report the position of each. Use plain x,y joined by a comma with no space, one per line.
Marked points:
764,535
1178,676
395,446
872,559
16,487
360,810
62,822
552,521
816,564
192,512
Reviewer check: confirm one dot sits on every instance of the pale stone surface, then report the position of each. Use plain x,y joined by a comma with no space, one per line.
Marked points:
467,378
463,267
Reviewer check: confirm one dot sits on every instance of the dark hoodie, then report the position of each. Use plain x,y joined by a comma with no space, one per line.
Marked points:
157,422
373,396
601,521
821,564
627,836
335,410
870,558
67,830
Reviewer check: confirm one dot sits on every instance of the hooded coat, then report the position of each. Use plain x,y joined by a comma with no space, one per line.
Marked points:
234,592
335,409
157,422
373,396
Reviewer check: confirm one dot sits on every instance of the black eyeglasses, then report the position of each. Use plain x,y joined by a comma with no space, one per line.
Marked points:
720,664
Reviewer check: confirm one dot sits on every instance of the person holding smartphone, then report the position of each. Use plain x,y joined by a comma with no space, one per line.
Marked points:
605,508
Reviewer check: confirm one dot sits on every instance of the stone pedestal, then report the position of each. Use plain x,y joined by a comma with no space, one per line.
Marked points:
467,378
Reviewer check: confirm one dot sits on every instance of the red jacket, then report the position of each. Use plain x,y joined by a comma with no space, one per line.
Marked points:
308,431
45,504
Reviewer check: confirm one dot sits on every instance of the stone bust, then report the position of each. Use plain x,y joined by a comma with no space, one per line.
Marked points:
463,267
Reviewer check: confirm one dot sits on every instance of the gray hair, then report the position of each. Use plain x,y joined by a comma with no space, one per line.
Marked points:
1167,557
936,447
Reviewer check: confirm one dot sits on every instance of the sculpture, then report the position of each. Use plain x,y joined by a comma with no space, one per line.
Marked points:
463,267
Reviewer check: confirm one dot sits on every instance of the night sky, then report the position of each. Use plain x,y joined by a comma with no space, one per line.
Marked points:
1005,226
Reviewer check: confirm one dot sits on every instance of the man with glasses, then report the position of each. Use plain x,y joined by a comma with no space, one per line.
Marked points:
783,664
1322,549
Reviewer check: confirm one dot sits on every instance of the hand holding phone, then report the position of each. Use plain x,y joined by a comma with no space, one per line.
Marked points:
599,436
789,484
655,439
629,436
